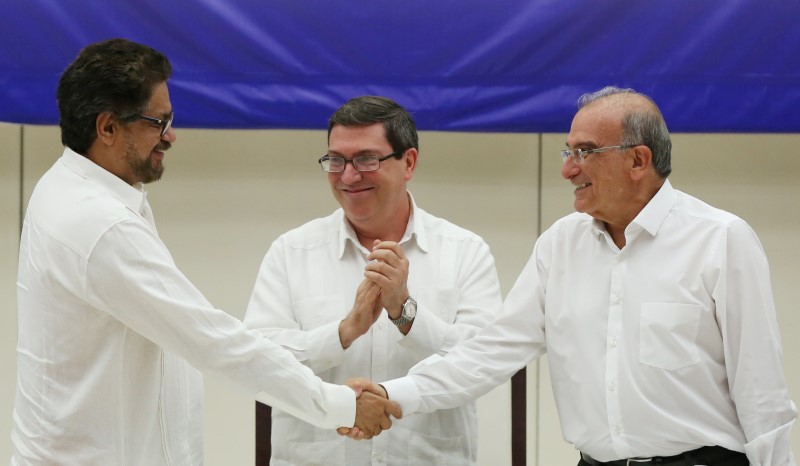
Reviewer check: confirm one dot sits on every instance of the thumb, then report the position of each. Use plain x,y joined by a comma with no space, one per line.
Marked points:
394,409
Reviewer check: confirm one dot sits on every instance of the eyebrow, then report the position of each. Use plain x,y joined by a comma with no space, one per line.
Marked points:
583,145
361,152
160,116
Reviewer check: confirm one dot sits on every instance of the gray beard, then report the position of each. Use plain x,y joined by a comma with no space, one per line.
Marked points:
142,168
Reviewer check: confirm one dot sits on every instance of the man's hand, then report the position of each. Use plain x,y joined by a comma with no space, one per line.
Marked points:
366,311
388,268
360,385
372,410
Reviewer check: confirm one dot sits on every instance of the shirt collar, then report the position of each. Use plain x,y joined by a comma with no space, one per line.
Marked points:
132,196
656,211
414,230
652,216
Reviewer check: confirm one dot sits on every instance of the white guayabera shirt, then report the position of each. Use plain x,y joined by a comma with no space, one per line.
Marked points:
664,346
110,333
307,285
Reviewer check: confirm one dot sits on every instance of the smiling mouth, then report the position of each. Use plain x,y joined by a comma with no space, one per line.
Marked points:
582,186
355,190
163,147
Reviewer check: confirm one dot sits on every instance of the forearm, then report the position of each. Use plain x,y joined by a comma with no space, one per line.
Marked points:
430,334
319,348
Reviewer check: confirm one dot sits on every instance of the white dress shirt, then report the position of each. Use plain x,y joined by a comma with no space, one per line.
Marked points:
307,285
664,346
108,328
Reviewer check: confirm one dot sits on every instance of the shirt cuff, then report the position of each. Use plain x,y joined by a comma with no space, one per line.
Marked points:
328,350
342,405
403,391
426,335
771,448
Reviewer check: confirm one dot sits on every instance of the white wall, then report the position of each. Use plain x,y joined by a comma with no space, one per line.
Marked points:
9,242
227,194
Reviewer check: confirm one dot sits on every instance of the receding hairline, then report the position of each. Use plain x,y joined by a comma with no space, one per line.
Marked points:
626,103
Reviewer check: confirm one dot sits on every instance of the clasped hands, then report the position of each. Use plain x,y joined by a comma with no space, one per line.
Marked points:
373,410
384,287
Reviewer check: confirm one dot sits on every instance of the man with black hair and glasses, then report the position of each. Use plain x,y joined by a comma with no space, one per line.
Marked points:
655,310
371,290
110,331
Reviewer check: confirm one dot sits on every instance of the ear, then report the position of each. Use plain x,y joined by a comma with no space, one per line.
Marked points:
411,162
642,161
108,127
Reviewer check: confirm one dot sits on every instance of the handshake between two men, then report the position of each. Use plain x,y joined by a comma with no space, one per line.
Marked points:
373,410
384,287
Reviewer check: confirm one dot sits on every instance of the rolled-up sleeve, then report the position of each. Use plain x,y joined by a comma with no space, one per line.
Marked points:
752,344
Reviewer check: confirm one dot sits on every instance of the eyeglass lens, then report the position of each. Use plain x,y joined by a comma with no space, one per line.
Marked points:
362,163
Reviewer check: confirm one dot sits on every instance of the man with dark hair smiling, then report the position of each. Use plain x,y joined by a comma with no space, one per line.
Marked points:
380,252
110,331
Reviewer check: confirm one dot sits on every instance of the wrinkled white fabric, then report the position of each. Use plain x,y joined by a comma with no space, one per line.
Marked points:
307,285
110,333
664,346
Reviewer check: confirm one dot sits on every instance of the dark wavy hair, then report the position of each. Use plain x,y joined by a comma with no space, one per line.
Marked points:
117,76
401,131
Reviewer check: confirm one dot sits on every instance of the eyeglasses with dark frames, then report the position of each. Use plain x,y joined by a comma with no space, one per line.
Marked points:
164,123
362,163
578,156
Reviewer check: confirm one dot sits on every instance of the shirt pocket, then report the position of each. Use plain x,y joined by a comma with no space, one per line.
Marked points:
668,335
317,311
437,451
318,453
446,303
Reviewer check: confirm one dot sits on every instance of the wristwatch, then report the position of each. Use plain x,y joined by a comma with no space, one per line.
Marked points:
408,314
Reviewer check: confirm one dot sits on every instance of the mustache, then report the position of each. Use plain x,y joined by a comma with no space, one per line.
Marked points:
163,146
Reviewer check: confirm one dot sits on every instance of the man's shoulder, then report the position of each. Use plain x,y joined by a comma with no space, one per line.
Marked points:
443,227
76,214
574,220
314,232
699,210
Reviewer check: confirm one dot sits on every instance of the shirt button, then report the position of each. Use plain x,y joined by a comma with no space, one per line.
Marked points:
615,299
380,326
613,343
618,430
611,387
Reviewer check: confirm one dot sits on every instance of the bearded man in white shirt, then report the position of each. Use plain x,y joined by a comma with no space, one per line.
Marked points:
655,309
110,331
371,290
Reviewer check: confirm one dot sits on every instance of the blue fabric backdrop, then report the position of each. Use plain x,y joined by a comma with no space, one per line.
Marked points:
459,65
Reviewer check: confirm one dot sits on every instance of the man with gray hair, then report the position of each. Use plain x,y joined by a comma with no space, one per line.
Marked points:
657,309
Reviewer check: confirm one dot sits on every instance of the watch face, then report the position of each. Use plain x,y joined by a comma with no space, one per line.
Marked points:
410,308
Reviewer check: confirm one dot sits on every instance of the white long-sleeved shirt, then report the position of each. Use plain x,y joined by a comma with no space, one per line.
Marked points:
108,328
666,345
307,285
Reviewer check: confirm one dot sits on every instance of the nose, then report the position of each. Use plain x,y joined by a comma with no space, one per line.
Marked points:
170,136
350,175
569,168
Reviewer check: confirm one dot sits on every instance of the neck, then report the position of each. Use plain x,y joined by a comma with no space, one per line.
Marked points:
388,228
617,233
367,236
617,227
